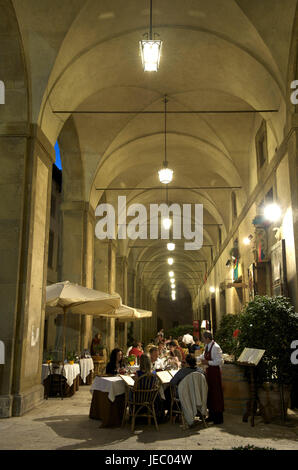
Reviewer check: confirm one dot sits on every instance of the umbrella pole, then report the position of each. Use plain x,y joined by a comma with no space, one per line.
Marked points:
64,331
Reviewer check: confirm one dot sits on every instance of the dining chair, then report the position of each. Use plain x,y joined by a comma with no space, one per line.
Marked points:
191,398
57,380
140,399
176,407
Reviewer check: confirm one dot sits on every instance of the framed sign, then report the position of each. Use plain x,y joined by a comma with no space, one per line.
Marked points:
251,282
279,269
250,356
261,245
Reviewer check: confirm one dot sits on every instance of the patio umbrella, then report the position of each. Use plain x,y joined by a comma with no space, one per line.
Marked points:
65,296
125,313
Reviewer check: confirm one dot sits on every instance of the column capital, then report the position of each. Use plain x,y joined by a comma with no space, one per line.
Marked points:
40,140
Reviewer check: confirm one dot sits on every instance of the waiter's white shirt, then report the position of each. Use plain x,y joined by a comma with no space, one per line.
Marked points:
216,355
187,339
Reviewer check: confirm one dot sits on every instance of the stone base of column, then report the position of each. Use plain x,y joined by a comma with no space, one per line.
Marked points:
24,402
6,406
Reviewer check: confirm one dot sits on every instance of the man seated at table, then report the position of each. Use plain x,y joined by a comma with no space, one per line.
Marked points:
162,350
156,361
189,367
174,355
116,364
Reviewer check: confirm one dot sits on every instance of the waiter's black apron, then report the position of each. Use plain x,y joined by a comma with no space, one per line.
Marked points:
215,400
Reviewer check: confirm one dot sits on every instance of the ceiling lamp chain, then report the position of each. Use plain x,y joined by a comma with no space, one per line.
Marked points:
165,174
150,49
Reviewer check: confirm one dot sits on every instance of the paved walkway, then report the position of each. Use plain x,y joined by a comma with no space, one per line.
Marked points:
65,425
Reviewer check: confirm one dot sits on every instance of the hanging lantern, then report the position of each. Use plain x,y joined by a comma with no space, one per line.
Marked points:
150,53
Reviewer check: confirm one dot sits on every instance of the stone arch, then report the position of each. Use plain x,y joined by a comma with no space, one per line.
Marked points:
73,171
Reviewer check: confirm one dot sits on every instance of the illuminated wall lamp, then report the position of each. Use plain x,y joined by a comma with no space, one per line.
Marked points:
247,240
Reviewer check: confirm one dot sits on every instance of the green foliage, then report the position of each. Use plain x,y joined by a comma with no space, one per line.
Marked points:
270,323
179,330
224,335
71,356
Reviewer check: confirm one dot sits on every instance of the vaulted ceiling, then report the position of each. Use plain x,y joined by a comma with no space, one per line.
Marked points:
217,55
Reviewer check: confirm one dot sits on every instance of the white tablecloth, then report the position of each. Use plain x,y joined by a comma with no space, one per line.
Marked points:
70,372
116,386
112,385
86,366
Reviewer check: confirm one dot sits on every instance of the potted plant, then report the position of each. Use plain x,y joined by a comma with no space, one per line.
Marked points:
71,358
228,333
49,359
131,359
270,323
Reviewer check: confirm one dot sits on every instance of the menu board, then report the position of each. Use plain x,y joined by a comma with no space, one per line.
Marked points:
128,380
250,356
164,376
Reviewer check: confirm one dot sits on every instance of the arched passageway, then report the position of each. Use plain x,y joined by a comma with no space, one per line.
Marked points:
74,75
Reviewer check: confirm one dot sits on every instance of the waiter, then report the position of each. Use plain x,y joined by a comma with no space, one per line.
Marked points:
213,359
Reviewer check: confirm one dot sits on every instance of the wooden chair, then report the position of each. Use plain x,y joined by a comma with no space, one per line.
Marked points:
57,380
141,396
176,408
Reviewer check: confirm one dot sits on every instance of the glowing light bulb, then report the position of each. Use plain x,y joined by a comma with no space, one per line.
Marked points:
165,175
171,246
272,212
166,222
150,52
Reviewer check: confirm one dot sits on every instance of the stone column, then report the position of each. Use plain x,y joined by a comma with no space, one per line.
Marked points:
77,265
105,280
131,288
137,330
88,270
25,176
121,287
293,190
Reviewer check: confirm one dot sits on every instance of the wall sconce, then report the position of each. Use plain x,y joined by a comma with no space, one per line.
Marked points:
272,212
247,240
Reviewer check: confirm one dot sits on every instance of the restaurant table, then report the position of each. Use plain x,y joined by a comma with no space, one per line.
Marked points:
71,372
108,399
86,370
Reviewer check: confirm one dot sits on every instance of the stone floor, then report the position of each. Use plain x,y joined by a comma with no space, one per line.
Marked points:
65,425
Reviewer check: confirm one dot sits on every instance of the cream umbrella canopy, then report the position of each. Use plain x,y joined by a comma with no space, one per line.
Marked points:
125,313
65,296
